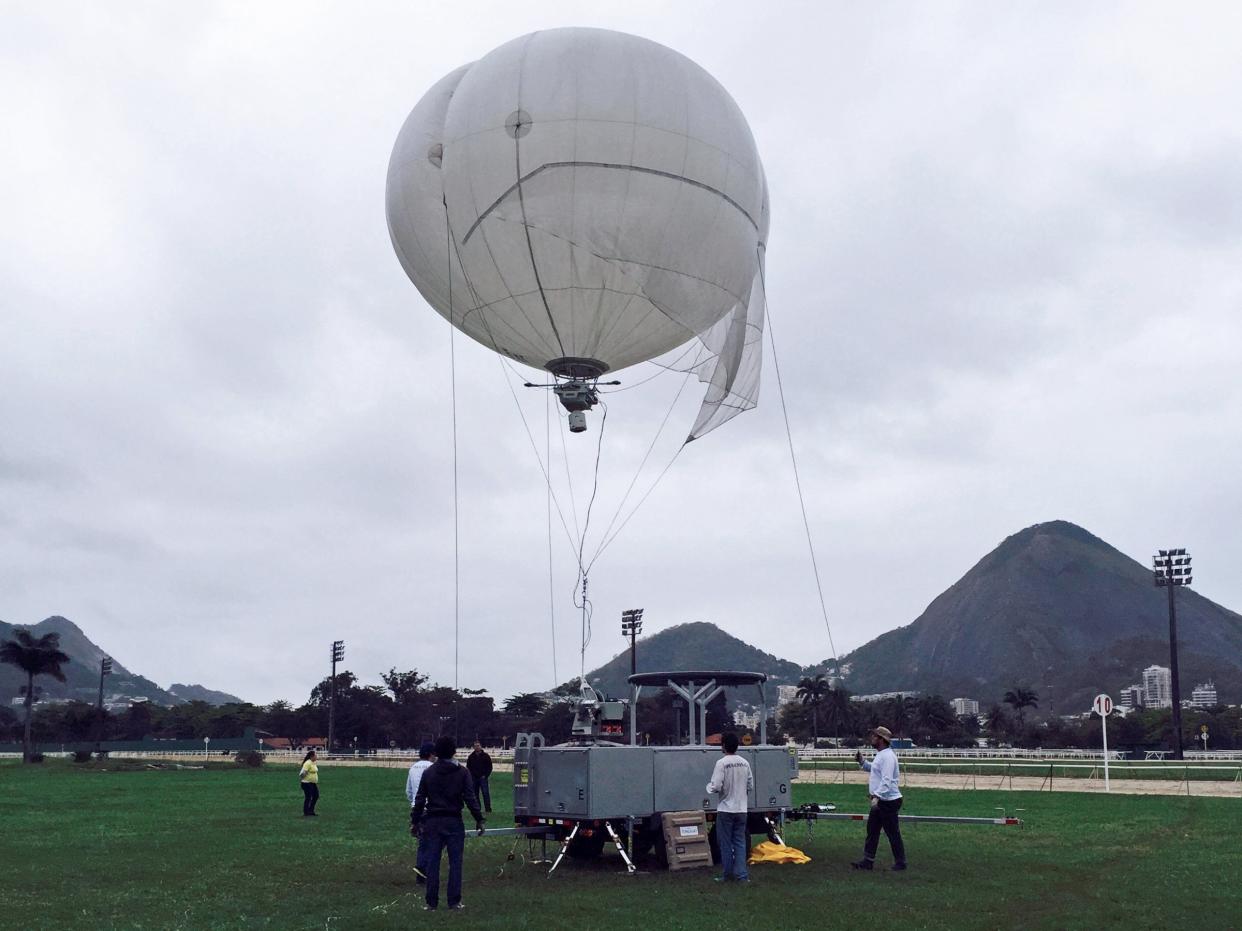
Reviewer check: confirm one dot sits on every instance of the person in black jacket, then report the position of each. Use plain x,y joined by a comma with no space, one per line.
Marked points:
480,765
444,789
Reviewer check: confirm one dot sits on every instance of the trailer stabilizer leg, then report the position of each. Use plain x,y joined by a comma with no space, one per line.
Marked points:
564,847
774,833
629,865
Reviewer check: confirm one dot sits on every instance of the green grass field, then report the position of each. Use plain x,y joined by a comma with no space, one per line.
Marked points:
99,846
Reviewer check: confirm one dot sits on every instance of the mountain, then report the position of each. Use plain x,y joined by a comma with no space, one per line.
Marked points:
202,693
82,671
697,645
1058,610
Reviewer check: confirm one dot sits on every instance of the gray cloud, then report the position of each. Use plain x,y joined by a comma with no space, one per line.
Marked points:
1003,277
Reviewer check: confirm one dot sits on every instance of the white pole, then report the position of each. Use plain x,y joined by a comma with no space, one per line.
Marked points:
1104,731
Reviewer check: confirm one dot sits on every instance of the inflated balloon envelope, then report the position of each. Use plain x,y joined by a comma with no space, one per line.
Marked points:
581,201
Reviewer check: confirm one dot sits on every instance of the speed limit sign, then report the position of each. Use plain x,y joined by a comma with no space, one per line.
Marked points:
1103,706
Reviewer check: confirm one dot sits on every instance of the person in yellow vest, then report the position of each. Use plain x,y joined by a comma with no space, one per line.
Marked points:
309,778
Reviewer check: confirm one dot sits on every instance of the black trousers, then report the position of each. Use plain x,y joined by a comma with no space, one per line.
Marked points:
884,817
310,795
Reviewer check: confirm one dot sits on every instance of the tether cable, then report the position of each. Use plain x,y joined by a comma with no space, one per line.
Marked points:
793,457
547,440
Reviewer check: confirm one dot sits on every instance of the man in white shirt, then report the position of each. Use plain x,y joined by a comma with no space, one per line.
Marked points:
412,782
733,781
885,801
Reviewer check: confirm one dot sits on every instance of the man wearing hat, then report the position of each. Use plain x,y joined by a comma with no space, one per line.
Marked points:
412,781
885,801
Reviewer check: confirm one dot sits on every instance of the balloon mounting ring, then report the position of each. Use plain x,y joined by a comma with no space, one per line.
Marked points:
576,386
576,367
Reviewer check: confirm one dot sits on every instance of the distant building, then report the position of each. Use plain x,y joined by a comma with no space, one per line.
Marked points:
963,706
883,696
747,719
1131,697
1204,695
785,694
1157,687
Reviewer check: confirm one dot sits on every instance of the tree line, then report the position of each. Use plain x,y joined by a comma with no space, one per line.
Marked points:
408,709
825,713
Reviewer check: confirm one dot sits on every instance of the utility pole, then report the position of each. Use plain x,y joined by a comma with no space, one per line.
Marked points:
632,626
105,669
338,654
1171,568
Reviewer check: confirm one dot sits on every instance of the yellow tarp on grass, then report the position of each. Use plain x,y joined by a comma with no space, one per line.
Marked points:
768,852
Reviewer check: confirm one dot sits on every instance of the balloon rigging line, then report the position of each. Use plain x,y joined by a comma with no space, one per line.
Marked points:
586,605
664,369
638,506
456,537
586,527
547,439
502,361
604,540
530,246
569,475
638,169
780,390
539,459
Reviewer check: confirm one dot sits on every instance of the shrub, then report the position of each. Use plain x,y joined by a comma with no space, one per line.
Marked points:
252,758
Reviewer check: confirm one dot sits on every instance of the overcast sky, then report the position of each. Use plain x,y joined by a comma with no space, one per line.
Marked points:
1005,283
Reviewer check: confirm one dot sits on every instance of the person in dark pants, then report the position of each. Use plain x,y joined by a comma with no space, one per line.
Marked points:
309,779
480,765
885,801
411,792
444,789
733,781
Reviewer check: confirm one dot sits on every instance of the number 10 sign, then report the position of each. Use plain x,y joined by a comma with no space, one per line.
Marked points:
1103,706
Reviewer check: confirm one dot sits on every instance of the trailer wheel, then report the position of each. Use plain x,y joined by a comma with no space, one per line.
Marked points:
588,848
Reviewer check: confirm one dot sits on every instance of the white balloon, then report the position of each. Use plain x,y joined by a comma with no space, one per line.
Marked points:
582,200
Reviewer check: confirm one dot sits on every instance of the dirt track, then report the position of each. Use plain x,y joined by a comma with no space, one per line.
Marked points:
1195,787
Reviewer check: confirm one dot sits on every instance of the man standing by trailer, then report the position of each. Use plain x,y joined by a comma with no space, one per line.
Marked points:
412,782
479,762
885,801
445,788
733,780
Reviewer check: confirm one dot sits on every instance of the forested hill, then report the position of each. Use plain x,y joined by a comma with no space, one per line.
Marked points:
82,671
1057,609
696,645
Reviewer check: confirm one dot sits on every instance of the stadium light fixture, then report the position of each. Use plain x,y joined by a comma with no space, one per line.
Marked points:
338,655
1171,570
632,626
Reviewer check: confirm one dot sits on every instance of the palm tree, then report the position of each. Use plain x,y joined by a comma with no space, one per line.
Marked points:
34,657
997,726
812,690
1021,699
839,711
934,715
526,705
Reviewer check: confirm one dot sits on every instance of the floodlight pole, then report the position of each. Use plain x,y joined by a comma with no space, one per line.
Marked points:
338,654
632,625
1172,569
105,669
